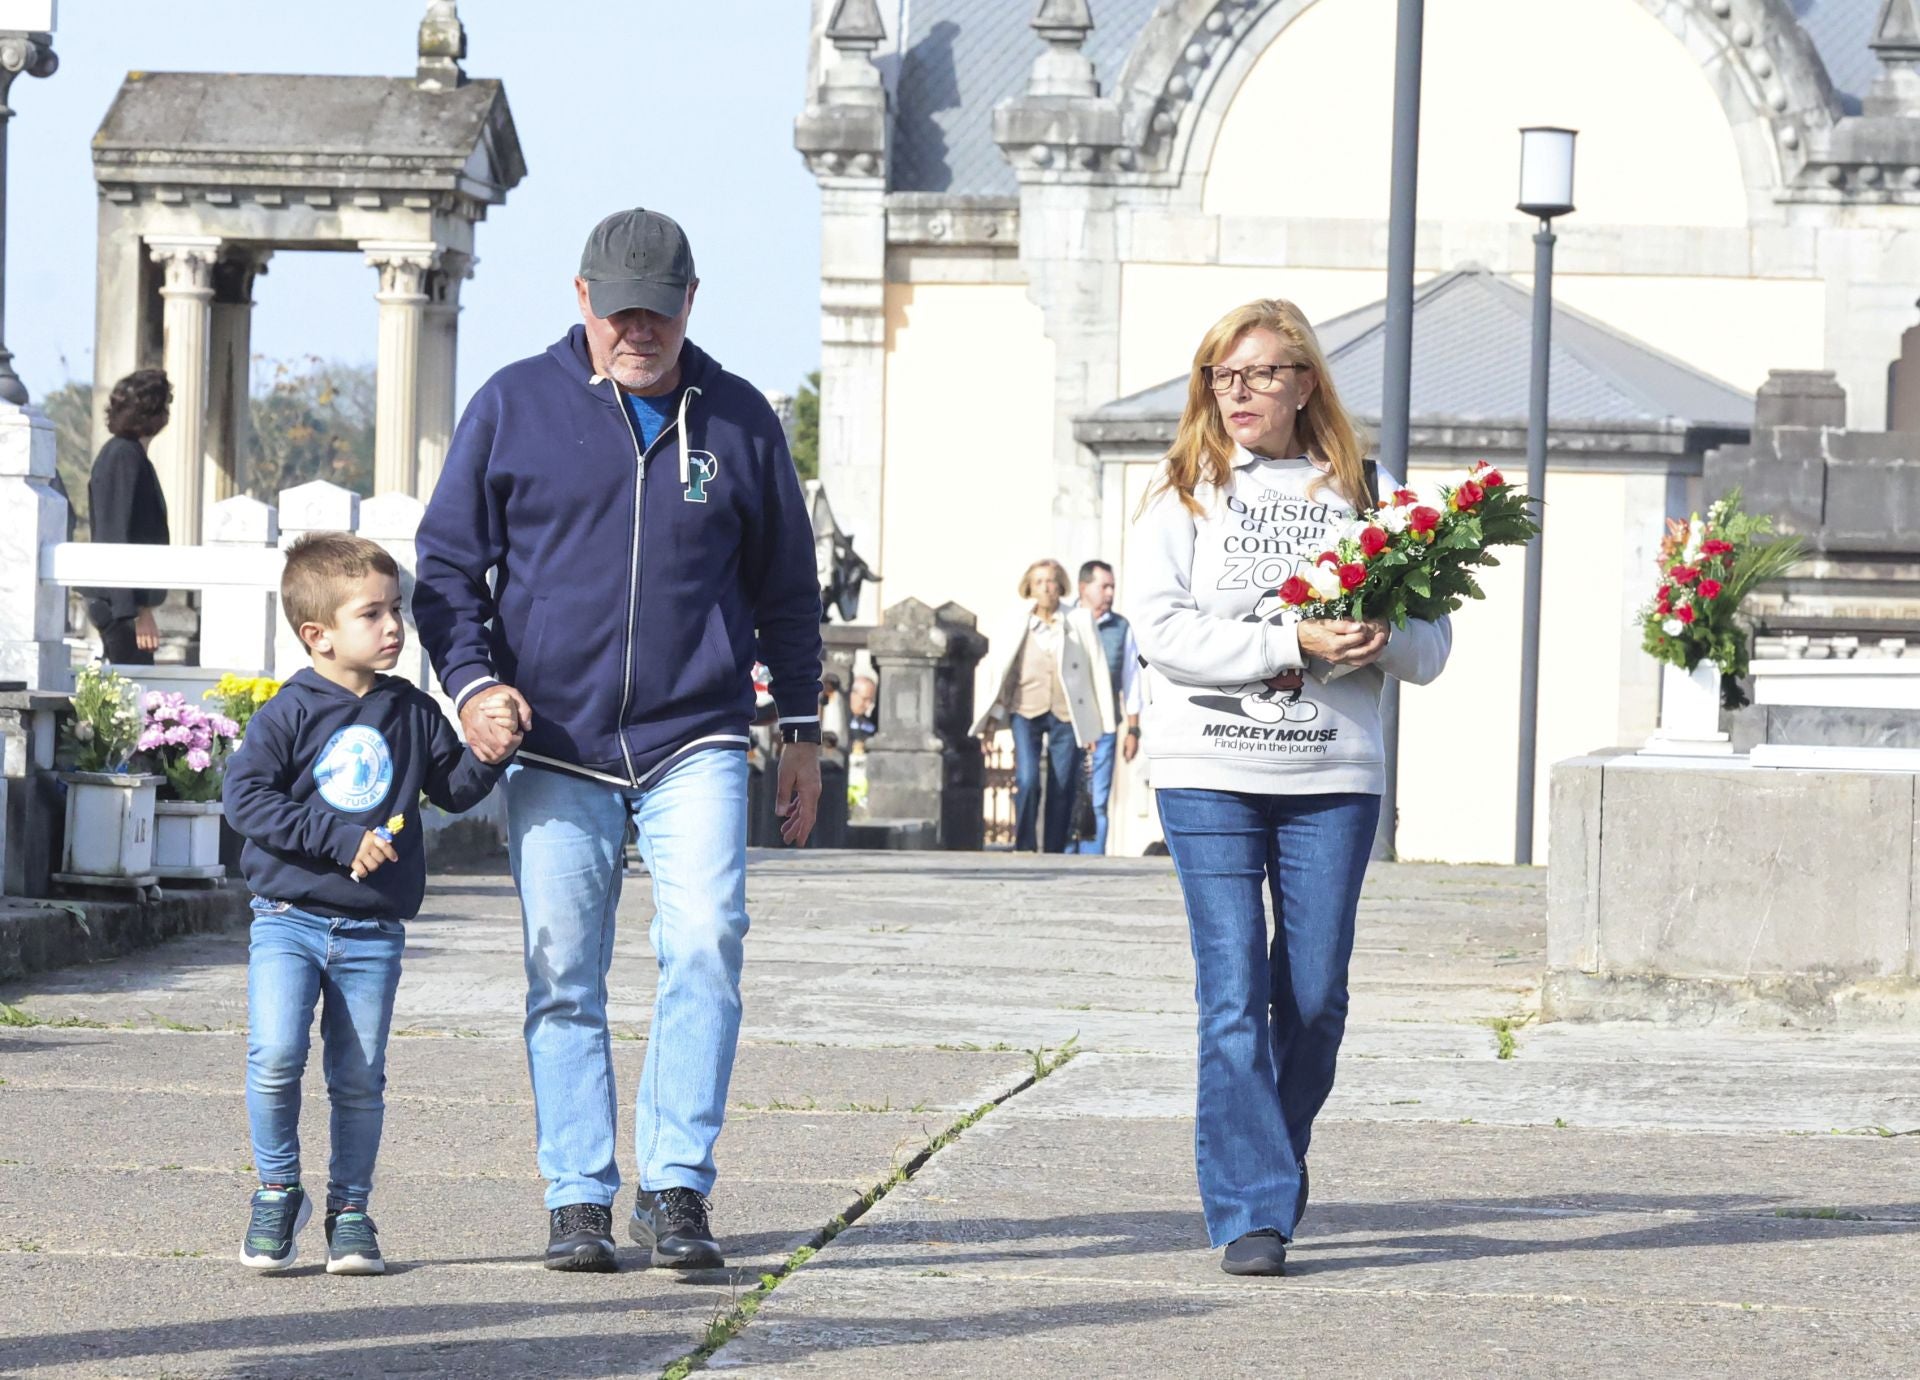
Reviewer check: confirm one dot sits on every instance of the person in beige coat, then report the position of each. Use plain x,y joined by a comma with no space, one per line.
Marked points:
1046,679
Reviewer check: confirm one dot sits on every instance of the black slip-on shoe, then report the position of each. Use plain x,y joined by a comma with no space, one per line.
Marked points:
672,1224
1257,1253
580,1237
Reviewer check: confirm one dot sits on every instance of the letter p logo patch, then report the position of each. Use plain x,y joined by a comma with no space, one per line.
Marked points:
701,469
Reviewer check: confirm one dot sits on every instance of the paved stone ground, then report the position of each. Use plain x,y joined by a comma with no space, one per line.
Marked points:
1608,1201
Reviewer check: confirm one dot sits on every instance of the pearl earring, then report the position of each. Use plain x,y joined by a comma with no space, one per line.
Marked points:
1299,407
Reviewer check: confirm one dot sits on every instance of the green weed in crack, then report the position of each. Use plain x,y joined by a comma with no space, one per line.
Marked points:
731,1321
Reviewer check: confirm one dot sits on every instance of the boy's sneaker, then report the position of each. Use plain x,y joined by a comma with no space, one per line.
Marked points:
353,1244
278,1215
580,1237
673,1225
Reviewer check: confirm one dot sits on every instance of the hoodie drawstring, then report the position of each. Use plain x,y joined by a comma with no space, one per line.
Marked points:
686,469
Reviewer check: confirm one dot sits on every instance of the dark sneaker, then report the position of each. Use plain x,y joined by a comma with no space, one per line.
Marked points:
353,1244
673,1225
580,1237
1300,1201
278,1215
1256,1253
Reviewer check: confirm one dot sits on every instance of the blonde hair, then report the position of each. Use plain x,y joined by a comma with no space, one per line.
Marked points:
1202,452
321,570
1046,563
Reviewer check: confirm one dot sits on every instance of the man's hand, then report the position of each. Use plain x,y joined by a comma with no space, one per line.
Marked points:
1129,743
374,851
796,798
146,632
494,721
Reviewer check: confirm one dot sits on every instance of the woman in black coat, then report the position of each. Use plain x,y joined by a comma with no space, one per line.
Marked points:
127,506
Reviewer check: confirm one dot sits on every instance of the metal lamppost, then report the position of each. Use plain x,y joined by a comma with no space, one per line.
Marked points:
1396,384
1546,191
26,45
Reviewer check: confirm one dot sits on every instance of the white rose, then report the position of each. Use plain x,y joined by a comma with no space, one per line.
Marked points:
1395,519
1323,580
1673,627
1352,531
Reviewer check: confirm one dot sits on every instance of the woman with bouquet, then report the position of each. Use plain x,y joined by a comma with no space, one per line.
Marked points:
1267,777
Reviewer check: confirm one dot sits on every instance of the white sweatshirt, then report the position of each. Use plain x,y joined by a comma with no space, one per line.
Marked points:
1212,630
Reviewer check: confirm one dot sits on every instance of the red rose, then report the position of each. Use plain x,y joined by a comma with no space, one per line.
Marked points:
1493,479
1295,592
1423,520
1685,615
1352,575
1684,574
1373,540
1663,601
1468,494
1328,558
1716,547
1402,497
1709,589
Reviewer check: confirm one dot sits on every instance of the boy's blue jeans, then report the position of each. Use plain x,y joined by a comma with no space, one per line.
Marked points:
1271,1017
564,835
350,968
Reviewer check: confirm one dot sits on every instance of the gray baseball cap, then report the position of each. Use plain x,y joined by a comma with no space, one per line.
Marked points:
637,259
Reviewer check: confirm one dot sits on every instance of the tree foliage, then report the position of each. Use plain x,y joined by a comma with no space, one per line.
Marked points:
806,427
70,408
312,419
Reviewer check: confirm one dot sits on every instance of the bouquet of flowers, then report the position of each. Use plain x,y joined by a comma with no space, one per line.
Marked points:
1414,557
1707,567
240,697
106,720
190,745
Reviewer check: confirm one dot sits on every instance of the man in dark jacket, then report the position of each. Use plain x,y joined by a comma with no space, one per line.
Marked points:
618,535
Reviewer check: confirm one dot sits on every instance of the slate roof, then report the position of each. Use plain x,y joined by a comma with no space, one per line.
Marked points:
1472,355
963,57
352,119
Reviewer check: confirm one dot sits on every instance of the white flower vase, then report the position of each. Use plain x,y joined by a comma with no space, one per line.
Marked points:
186,840
109,837
1689,714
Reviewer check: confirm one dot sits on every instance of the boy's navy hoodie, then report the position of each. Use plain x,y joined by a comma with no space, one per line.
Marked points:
626,591
319,767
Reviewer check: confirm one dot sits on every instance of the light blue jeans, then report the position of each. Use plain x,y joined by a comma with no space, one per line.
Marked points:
1102,788
350,968
564,836
1272,1013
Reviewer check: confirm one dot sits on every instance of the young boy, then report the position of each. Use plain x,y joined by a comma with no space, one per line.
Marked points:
326,791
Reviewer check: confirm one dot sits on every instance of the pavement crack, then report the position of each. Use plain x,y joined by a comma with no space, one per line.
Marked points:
730,1322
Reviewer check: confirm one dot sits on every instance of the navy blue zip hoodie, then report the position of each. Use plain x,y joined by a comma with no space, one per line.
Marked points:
625,592
320,766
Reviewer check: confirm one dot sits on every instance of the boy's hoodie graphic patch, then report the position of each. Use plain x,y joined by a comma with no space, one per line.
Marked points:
355,769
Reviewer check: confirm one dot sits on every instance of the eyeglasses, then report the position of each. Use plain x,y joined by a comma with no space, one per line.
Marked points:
1260,378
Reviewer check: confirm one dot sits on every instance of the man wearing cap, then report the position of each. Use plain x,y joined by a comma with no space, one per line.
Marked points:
618,535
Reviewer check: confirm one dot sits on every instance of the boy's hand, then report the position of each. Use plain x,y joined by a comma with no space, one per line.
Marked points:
374,851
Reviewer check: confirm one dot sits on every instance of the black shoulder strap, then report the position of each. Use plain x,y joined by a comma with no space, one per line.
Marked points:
1370,480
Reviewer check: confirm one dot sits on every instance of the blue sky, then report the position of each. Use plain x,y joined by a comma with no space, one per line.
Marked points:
687,107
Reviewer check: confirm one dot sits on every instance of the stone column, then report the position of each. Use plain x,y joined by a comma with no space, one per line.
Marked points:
32,517
843,136
230,386
925,774
179,452
403,300
439,352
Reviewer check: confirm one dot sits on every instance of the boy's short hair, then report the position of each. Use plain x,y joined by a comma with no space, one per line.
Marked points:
320,566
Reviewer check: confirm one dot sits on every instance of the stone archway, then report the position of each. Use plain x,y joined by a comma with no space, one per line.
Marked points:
1193,55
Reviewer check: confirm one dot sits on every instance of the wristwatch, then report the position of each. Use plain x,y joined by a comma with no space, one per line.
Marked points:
800,733
1133,730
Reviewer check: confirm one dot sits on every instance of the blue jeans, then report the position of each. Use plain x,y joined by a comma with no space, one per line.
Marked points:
564,835
350,968
1102,788
1271,1019
1054,736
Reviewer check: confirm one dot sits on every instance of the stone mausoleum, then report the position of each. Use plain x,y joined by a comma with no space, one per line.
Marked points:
1032,209
203,177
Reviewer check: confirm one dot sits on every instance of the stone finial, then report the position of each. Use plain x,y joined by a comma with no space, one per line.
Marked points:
1896,39
1063,69
855,26
443,42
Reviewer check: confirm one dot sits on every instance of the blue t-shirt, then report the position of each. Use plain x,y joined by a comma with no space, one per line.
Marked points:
651,415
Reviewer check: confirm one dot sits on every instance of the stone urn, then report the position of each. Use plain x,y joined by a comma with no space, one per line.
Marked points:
109,834
186,840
